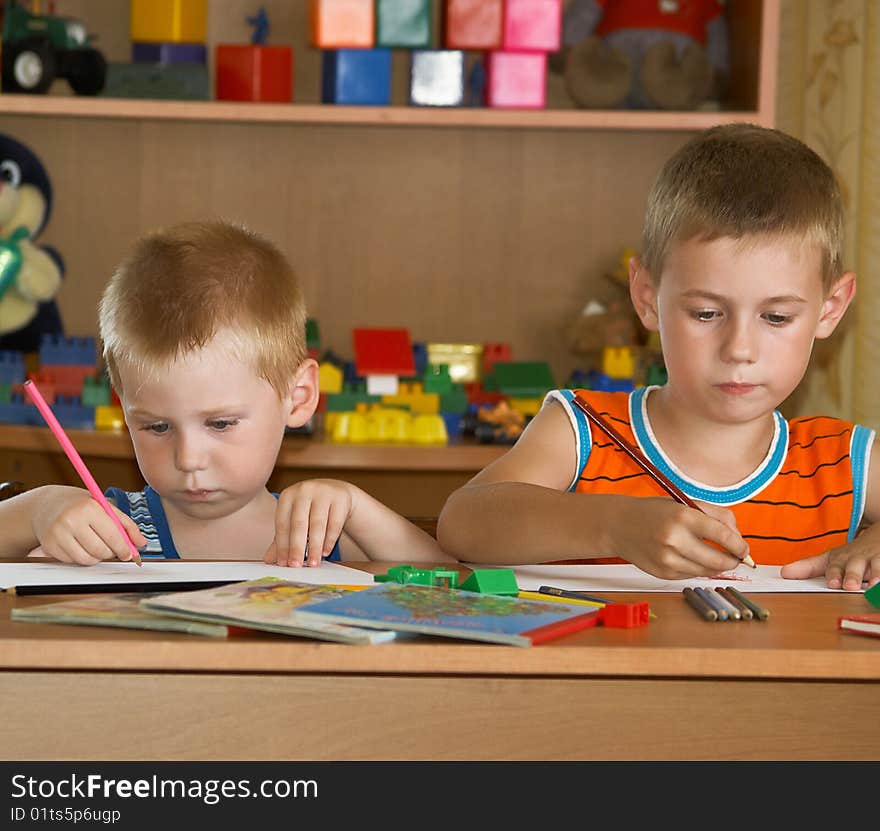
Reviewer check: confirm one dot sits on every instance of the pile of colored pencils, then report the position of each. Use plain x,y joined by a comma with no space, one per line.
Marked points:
724,603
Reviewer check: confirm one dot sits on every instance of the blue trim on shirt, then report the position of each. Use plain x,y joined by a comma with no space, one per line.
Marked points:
859,448
718,496
581,423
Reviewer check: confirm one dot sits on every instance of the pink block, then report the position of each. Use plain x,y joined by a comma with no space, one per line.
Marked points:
516,79
532,25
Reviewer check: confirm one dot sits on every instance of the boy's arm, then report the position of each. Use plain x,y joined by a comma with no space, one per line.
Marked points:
17,535
849,565
518,510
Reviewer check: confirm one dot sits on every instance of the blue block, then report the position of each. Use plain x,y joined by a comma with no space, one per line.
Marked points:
600,381
166,53
12,367
453,423
71,413
56,350
356,76
420,357
19,412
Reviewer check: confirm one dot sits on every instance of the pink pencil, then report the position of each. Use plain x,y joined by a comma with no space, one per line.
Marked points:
76,460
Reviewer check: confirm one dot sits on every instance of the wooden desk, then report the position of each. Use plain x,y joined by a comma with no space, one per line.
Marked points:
412,480
680,688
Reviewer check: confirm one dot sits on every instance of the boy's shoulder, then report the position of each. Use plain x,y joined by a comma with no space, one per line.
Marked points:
615,404
819,426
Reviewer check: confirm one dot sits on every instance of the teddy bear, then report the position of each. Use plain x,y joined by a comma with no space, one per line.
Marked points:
644,54
30,275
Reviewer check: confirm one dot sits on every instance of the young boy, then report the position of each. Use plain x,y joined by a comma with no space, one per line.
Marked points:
203,327
740,271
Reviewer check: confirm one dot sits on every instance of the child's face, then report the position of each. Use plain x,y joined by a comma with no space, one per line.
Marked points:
737,320
207,432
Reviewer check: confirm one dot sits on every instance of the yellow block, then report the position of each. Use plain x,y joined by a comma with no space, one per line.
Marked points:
169,21
429,429
463,359
329,378
526,406
618,362
424,402
109,417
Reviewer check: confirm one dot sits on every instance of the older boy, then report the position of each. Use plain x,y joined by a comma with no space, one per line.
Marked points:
740,272
204,338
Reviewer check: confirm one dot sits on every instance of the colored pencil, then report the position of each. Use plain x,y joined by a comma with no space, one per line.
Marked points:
79,465
758,611
553,598
732,610
697,602
715,604
744,610
572,594
639,458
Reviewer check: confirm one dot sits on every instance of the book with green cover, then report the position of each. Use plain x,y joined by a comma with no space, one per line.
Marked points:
454,613
271,604
121,610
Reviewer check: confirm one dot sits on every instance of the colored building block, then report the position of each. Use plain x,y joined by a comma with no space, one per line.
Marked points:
72,413
405,24
436,378
313,336
532,25
252,72
383,352
516,80
454,401
166,82
453,424
420,357
463,359
600,381
67,380
872,595
429,429
108,417
356,76
172,21
618,362
445,577
12,367
329,378
417,403
472,24
493,353
346,401
56,349
5,392
17,411
625,615
45,384
169,53
341,24
492,581
95,391
436,78
521,379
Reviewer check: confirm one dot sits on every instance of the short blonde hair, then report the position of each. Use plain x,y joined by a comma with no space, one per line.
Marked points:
183,284
740,180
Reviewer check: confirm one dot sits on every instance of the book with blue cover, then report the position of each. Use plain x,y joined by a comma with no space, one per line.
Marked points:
270,604
453,613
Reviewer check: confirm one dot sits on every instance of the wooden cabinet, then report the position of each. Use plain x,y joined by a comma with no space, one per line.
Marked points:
465,225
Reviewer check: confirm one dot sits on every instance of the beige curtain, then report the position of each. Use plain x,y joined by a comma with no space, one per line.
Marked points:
828,85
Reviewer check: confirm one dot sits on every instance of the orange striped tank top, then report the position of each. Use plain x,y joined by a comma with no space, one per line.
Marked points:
807,496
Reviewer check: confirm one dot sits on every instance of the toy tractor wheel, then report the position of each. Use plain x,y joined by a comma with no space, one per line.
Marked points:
28,66
86,71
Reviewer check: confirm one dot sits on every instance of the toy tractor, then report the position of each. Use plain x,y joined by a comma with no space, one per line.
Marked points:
39,48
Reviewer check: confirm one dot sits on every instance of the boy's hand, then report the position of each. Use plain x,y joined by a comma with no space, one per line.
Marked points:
308,520
73,528
844,568
674,542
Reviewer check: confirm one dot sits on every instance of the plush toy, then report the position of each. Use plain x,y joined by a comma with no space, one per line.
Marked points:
30,275
644,54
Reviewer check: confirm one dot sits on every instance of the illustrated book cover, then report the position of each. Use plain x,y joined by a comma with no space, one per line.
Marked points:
867,624
453,613
270,604
121,610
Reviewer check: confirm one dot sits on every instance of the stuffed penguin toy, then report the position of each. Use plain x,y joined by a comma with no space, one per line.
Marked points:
30,275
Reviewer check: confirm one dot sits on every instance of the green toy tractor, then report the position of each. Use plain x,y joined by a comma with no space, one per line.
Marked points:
39,48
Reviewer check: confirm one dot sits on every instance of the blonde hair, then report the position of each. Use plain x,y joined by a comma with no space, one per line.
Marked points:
740,180
182,285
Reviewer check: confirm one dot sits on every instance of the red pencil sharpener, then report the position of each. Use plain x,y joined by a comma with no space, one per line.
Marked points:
624,615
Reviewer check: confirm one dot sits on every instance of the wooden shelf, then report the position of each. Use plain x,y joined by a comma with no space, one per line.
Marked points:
226,111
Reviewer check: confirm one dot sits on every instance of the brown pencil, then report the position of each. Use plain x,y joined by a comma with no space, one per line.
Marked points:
703,608
731,598
759,611
638,457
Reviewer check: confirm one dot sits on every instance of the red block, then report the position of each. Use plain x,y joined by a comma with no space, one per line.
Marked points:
516,79
625,615
68,379
253,72
342,24
472,24
383,352
493,353
532,25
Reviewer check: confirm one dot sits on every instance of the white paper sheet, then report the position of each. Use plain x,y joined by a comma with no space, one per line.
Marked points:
629,578
155,571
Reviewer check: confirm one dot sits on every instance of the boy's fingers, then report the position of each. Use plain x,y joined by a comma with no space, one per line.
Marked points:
131,528
806,568
299,534
335,524
106,543
317,532
271,555
853,574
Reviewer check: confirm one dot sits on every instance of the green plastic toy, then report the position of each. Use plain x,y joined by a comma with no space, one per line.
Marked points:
441,577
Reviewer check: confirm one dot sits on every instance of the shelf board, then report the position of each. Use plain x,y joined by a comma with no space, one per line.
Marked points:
132,108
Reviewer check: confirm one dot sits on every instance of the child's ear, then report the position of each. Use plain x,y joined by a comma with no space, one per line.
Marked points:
303,393
643,294
836,303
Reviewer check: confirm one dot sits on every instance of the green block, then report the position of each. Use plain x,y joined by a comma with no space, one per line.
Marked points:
447,578
313,334
176,82
96,392
521,379
403,23
436,378
655,376
454,401
492,581
5,393
872,595
344,402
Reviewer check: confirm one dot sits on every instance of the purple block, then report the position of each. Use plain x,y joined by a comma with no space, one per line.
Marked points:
166,53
